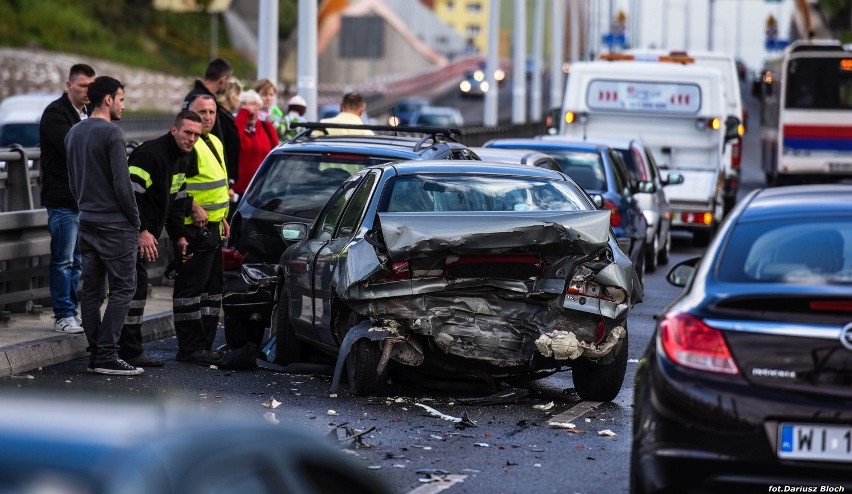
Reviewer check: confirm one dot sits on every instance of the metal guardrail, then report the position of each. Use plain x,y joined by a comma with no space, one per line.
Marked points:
24,237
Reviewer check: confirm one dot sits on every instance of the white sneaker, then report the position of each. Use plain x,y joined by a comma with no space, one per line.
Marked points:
78,319
67,325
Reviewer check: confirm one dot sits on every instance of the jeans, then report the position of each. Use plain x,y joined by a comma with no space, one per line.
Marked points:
66,263
109,259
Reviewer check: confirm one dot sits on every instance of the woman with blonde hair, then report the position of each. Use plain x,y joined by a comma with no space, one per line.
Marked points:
269,109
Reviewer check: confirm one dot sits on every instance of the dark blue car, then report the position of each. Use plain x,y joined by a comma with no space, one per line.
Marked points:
600,170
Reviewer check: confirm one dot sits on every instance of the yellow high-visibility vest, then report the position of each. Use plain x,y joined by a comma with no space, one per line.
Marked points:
210,187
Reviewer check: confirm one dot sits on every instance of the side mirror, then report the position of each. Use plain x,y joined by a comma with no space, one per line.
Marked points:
681,273
598,200
671,178
732,128
291,232
646,187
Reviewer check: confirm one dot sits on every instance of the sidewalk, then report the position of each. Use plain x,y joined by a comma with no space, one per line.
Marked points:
28,341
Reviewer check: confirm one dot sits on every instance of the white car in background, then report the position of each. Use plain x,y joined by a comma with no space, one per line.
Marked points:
20,116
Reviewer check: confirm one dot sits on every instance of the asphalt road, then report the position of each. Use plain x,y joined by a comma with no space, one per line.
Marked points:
511,449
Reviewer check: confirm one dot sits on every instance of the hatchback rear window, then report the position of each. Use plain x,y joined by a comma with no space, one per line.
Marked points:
789,251
300,184
584,167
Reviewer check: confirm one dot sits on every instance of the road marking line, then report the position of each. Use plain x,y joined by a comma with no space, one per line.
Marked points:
575,411
439,485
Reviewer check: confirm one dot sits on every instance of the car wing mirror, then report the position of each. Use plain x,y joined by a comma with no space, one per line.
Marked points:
672,178
681,273
598,200
646,186
292,232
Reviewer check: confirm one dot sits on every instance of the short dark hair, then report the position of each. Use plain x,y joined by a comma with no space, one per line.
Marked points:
195,96
217,68
186,115
101,87
352,101
80,68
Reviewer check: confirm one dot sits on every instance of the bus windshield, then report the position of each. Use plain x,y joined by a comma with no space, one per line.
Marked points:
819,84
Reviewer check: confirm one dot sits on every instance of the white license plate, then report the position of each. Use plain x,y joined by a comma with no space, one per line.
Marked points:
818,442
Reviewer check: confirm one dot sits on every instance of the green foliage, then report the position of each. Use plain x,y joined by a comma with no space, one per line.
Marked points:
130,32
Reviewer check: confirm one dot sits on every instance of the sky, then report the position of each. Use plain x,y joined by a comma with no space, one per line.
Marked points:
739,26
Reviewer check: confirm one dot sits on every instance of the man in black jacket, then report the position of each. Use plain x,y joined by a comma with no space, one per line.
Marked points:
63,216
158,172
216,77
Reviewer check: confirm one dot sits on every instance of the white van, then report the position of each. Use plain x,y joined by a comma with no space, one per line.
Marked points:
727,67
677,109
20,116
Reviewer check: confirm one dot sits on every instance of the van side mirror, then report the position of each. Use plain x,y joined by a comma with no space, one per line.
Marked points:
671,178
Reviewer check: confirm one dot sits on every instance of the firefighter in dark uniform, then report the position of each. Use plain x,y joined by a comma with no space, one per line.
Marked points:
197,298
158,173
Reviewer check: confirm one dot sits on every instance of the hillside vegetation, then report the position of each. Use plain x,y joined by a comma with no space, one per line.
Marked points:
130,32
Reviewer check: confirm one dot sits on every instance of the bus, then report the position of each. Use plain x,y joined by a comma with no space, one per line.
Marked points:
806,114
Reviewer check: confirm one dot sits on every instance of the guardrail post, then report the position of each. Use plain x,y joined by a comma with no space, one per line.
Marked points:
18,188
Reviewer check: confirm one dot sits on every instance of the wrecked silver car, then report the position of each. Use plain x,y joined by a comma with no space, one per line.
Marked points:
461,270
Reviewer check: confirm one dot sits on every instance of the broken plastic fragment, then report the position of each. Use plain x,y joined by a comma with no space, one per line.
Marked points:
271,403
331,412
607,432
463,420
270,417
482,445
546,406
561,425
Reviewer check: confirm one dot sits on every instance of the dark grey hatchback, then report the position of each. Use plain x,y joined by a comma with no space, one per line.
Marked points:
746,385
292,184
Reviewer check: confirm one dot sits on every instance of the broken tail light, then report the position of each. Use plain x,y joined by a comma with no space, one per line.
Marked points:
231,259
589,289
688,341
400,270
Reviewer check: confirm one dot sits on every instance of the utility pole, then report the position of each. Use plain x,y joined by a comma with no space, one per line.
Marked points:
557,18
489,116
306,65
519,79
267,46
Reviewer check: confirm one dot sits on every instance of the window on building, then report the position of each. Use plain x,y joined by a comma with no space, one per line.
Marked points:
474,7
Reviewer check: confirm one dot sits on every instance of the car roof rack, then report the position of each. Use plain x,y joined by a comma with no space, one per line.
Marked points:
434,134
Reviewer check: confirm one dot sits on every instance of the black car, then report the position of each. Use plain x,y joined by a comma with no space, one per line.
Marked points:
747,382
475,271
292,184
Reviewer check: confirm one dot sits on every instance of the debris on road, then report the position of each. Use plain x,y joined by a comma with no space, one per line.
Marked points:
270,417
607,432
561,425
511,395
271,403
546,406
464,420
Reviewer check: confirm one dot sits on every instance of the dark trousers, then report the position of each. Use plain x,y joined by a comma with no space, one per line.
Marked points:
130,343
109,252
197,298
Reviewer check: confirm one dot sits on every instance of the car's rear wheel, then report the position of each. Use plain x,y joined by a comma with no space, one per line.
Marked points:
361,365
600,382
665,252
241,329
288,349
651,254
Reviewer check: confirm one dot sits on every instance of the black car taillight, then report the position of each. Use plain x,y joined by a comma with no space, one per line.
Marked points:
231,259
688,341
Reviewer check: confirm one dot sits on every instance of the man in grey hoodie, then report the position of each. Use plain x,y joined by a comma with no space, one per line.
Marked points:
109,224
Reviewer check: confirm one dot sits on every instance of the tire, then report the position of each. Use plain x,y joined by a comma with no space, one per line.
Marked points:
600,382
665,252
701,238
288,349
361,365
651,257
240,329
